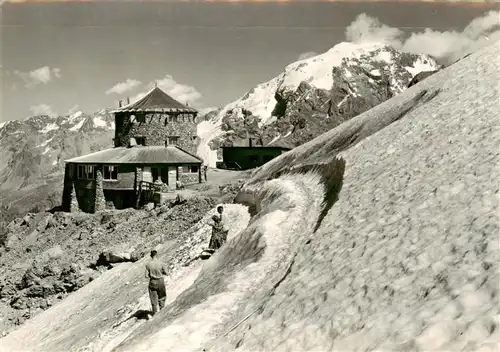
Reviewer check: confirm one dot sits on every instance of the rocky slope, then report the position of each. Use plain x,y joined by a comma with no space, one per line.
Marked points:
381,234
49,256
312,96
33,154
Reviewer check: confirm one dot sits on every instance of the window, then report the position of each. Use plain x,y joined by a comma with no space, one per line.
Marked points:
155,173
86,172
110,173
140,140
193,169
173,118
172,140
164,174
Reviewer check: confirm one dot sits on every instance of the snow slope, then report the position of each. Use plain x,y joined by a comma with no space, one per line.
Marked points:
406,260
399,253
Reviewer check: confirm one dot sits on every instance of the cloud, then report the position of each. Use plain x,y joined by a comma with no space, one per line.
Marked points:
307,55
123,87
447,46
73,109
38,76
366,29
181,92
43,109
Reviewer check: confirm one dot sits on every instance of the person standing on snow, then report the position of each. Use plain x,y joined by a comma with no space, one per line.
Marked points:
157,292
219,232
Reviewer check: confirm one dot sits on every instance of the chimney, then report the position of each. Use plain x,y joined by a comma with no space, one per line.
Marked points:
249,142
187,103
128,100
119,103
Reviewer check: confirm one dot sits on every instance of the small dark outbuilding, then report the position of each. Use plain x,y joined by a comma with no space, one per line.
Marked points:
249,157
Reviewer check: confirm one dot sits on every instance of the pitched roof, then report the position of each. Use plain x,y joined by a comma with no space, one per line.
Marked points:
156,100
139,155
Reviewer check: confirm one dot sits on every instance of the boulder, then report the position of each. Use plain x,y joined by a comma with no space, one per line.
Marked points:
112,257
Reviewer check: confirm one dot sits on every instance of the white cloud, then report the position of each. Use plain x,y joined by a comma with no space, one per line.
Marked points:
366,29
307,55
451,45
43,109
123,87
181,92
447,46
73,109
38,76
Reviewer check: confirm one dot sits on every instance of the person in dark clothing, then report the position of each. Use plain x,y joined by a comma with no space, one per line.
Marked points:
157,292
219,232
205,169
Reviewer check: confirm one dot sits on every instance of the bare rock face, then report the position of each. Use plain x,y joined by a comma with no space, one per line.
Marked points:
419,77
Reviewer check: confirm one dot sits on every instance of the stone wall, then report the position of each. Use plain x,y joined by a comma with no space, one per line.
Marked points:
138,180
156,129
73,205
189,178
100,201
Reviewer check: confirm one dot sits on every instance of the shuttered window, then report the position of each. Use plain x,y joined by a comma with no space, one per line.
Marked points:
110,172
86,172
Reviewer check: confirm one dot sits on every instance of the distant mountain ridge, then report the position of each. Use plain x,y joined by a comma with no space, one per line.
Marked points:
34,150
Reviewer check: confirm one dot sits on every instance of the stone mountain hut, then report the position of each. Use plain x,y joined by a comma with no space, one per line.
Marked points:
154,147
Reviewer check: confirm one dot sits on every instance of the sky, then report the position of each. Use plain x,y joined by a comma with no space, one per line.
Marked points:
62,57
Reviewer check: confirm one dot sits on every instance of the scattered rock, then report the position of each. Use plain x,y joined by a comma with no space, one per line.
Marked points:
180,199
163,208
62,255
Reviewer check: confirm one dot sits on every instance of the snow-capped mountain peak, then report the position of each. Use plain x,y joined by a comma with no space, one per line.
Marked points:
358,68
317,71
